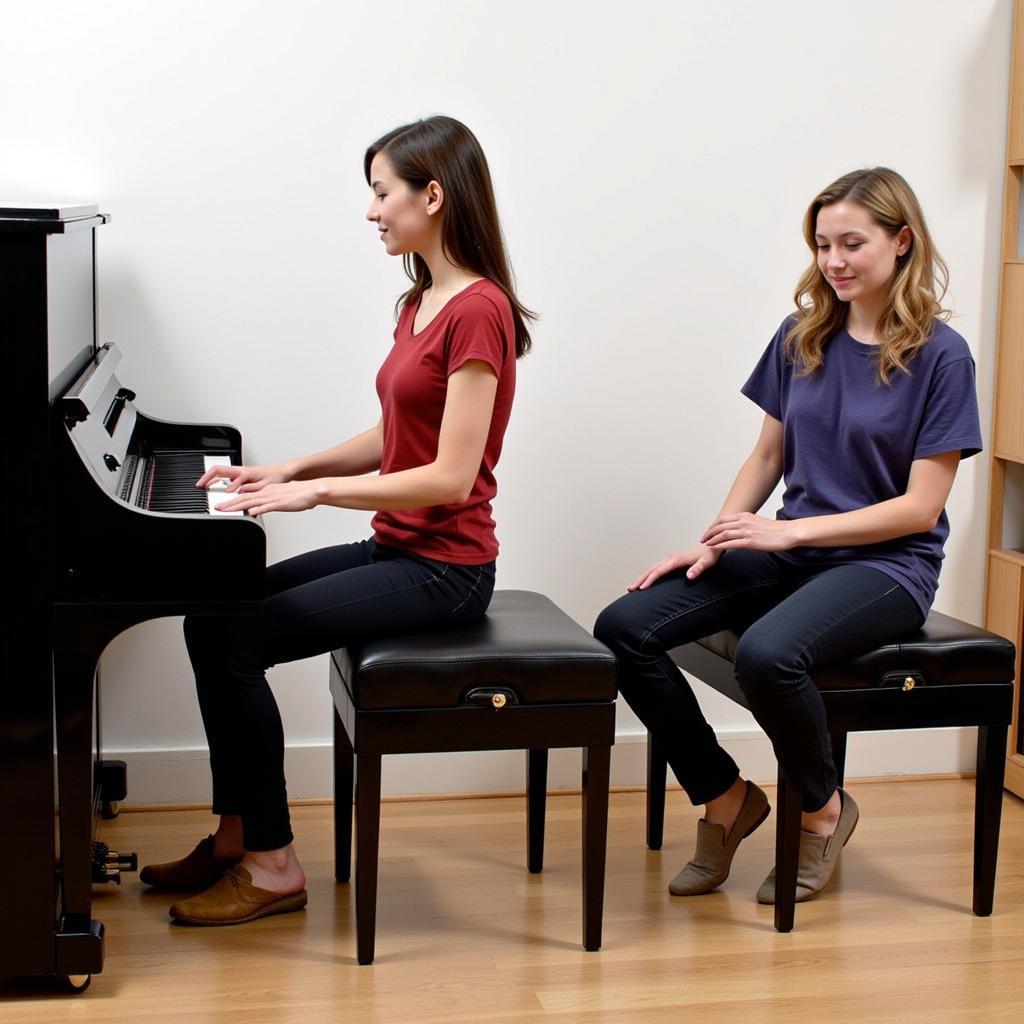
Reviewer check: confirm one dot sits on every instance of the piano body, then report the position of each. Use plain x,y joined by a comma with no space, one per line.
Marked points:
113,533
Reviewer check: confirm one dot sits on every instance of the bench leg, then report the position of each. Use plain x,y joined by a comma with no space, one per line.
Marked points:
838,740
988,809
787,851
367,842
657,767
596,768
536,801
344,776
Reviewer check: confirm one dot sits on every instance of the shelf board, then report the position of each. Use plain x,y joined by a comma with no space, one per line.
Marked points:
1012,261
1015,556
1007,457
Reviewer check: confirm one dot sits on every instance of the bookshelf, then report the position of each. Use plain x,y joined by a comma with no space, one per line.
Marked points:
1004,578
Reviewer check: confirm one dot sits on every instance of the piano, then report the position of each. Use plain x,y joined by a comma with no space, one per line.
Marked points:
104,529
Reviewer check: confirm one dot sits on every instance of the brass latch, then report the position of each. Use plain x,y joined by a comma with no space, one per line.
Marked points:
908,684
496,697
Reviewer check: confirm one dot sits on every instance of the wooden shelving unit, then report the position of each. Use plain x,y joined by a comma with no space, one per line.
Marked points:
1004,581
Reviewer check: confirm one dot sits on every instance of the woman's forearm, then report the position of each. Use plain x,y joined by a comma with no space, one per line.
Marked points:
896,517
917,510
358,455
421,487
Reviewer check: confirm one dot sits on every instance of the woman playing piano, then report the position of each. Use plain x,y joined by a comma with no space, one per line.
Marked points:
445,391
869,405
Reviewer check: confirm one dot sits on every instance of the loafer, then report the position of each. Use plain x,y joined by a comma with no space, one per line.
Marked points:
818,856
199,870
234,900
715,850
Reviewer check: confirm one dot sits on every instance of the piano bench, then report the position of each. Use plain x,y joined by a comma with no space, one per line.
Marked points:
525,677
948,673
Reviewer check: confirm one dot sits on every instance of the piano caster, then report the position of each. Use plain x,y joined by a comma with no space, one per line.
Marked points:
112,786
76,983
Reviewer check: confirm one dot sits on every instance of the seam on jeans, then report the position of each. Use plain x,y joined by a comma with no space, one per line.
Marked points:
693,608
823,782
472,591
849,614
391,593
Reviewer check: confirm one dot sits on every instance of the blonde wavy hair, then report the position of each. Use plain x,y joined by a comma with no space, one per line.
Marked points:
915,292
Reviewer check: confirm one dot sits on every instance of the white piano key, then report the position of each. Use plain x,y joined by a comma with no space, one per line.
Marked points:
215,494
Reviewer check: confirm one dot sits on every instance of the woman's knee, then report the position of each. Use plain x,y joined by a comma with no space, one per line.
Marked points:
619,630
223,642
198,635
763,660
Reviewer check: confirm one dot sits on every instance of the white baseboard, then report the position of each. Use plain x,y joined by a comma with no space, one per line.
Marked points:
181,775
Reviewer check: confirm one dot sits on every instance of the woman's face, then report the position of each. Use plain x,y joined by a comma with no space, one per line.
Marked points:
406,220
855,254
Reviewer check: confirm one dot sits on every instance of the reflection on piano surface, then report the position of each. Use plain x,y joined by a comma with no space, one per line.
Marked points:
118,534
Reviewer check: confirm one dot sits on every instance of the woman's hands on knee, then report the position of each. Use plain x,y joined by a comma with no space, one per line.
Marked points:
695,560
751,531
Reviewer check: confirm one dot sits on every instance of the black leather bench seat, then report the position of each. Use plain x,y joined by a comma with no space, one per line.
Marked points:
525,643
943,652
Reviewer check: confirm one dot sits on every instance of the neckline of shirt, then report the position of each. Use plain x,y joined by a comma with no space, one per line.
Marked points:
865,348
413,333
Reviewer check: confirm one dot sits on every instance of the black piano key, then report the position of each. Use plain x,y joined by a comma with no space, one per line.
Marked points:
169,483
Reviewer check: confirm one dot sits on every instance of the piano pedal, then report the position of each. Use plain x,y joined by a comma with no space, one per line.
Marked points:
107,864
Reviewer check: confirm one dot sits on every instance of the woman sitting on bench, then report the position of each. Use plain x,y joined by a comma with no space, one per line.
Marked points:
445,391
869,405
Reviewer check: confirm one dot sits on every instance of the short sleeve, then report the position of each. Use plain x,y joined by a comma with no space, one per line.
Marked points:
477,332
950,421
764,385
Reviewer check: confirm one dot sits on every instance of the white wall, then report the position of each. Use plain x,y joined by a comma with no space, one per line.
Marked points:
652,161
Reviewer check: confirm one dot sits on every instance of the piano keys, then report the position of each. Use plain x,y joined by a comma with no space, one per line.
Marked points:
165,482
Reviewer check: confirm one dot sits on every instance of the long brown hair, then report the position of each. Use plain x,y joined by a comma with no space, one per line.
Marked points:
915,292
444,150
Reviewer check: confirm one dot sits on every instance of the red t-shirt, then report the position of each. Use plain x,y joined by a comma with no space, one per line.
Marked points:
412,385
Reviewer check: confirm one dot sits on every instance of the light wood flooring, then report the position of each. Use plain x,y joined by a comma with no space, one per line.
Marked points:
465,934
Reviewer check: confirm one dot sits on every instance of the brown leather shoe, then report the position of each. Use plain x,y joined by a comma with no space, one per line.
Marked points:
818,856
713,859
198,871
235,900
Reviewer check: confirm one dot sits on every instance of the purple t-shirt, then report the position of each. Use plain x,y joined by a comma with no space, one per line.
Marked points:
849,440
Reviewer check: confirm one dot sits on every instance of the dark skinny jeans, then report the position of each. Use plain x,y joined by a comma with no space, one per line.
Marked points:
792,617
315,603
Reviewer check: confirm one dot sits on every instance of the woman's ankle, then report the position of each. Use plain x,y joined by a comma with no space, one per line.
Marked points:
277,870
823,821
227,840
725,809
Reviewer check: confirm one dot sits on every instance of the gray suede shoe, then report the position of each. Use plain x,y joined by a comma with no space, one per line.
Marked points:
818,856
710,865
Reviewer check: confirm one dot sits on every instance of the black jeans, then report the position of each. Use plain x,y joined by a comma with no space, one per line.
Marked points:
315,603
794,618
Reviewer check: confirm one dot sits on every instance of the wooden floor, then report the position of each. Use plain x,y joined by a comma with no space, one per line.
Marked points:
465,934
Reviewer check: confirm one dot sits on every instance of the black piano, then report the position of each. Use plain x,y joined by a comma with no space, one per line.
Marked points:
104,528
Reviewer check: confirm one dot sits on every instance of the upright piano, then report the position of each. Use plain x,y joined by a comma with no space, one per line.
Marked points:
103,528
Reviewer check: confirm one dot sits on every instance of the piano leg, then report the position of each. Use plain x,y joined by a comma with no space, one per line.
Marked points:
79,939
